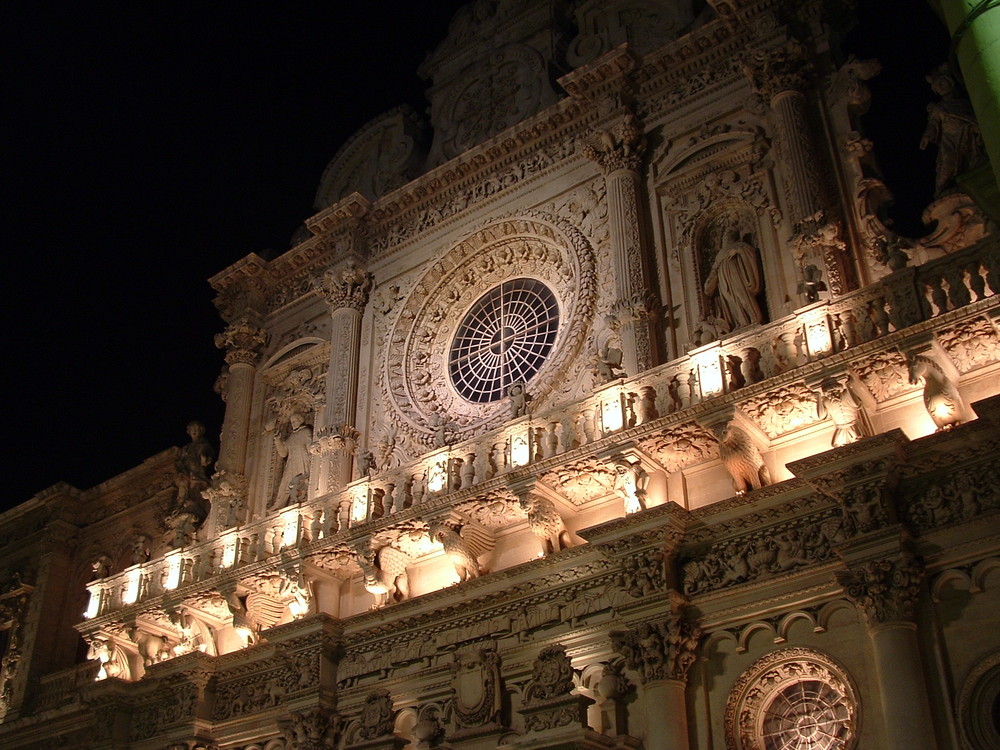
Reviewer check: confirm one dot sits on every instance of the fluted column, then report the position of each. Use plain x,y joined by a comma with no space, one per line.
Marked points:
778,77
618,152
887,590
662,654
346,289
243,343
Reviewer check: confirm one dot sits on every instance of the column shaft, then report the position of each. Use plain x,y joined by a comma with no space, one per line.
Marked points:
666,716
804,193
905,705
235,425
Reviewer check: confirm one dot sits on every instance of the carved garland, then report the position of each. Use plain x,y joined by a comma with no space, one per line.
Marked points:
414,379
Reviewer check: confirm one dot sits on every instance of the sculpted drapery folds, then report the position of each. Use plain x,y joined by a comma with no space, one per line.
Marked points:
735,280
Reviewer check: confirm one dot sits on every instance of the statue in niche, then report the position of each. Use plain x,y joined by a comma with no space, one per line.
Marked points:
292,444
951,125
834,399
192,467
735,280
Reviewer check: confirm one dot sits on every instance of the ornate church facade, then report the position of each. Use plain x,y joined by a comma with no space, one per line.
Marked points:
604,410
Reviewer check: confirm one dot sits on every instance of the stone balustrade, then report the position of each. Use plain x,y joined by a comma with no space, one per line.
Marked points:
710,378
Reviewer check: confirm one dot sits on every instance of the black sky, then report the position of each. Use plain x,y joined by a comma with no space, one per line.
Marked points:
148,146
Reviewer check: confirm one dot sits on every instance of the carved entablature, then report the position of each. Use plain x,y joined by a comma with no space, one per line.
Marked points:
414,378
644,26
782,410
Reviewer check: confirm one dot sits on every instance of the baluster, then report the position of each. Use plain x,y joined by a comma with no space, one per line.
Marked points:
958,293
550,440
938,296
976,281
468,471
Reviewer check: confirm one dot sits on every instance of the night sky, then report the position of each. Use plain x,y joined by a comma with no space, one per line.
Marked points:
147,147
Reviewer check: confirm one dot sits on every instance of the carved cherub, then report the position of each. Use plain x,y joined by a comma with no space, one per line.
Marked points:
518,400
834,399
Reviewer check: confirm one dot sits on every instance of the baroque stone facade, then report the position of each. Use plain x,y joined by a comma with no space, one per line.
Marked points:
615,417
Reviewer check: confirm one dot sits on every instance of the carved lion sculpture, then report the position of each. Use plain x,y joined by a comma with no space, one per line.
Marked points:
385,574
742,460
546,523
464,546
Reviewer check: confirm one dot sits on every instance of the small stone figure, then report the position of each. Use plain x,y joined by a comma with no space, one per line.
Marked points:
631,481
546,523
708,330
440,424
140,549
294,448
192,478
742,460
941,395
834,399
952,125
812,283
464,546
734,366
385,574
609,357
366,464
518,400
735,281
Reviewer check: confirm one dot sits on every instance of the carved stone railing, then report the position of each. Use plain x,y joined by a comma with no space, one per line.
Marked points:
61,687
706,381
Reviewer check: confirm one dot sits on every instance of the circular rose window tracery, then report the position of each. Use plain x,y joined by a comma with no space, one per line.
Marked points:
420,378
793,699
504,339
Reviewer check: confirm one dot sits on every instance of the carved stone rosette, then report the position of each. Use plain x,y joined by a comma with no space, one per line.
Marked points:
659,650
887,590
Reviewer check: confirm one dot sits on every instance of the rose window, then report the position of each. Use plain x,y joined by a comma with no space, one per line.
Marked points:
807,715
793,699
503,339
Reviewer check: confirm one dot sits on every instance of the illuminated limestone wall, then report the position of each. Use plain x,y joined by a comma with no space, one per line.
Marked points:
611,415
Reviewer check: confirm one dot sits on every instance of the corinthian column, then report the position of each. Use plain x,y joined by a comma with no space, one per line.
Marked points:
243,344
346,290
886,590
662,654
618,152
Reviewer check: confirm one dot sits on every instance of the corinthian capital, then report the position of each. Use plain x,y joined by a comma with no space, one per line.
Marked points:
887,589
242,342
346,286
659,650
619,147
772,71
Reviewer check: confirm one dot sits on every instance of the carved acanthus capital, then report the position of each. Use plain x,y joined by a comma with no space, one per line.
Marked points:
315,729
886,589
620,147
243,342
346,286
771,72
662,650
332,440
